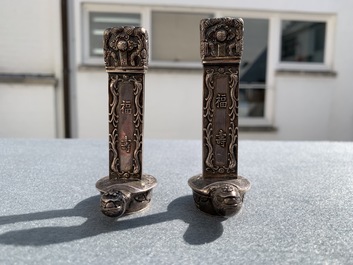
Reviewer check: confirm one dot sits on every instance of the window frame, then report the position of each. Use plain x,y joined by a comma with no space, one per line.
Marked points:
268,118
146,19
87,59
327,64
274,63
173,64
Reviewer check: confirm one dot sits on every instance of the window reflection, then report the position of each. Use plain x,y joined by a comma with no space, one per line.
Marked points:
251,102
253,69
303,41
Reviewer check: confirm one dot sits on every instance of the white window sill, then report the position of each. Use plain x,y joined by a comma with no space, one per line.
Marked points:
302,72
151,67
260,129
27,78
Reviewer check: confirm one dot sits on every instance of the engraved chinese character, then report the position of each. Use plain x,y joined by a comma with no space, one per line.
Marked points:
125,107
221,138
221,101
125,144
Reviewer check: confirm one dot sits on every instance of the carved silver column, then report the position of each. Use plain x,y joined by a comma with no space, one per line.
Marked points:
126,189
219,190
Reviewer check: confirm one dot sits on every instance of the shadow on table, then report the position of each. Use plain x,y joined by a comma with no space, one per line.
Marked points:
202,228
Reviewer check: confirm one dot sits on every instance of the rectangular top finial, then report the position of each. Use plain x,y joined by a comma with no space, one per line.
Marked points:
125,48
221,39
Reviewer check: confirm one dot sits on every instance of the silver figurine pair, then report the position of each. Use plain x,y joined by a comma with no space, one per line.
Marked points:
218,190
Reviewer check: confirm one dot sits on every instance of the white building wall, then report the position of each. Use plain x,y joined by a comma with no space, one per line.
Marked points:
30,41
341,116
27,111
173,104
92,104
303,107
26,37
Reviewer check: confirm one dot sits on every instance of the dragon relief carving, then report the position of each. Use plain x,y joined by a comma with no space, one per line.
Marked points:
208,114
221,37
114,112
125,47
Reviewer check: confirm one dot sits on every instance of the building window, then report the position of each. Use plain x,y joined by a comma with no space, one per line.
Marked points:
298,42
176,36
253,69
99,21
252,101
303,41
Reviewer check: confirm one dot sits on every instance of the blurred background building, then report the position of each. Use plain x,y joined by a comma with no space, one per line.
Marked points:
295,73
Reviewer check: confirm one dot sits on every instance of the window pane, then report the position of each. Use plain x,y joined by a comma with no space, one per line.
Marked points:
303,41
99,21
251,102
254,59
176,36
253,69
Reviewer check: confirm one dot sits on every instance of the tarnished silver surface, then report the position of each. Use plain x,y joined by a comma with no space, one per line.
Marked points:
126,189
121,196
219,190
219,197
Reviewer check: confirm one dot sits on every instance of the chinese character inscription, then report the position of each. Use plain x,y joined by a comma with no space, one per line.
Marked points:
125,107
125,144
221,138
221,101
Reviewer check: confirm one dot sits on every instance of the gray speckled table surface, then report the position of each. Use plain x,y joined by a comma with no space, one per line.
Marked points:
298,211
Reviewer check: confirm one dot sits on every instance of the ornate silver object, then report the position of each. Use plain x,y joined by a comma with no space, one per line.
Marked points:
219,190
126,189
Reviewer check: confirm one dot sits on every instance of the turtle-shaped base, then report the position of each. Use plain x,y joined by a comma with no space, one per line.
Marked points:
125,196
219,196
